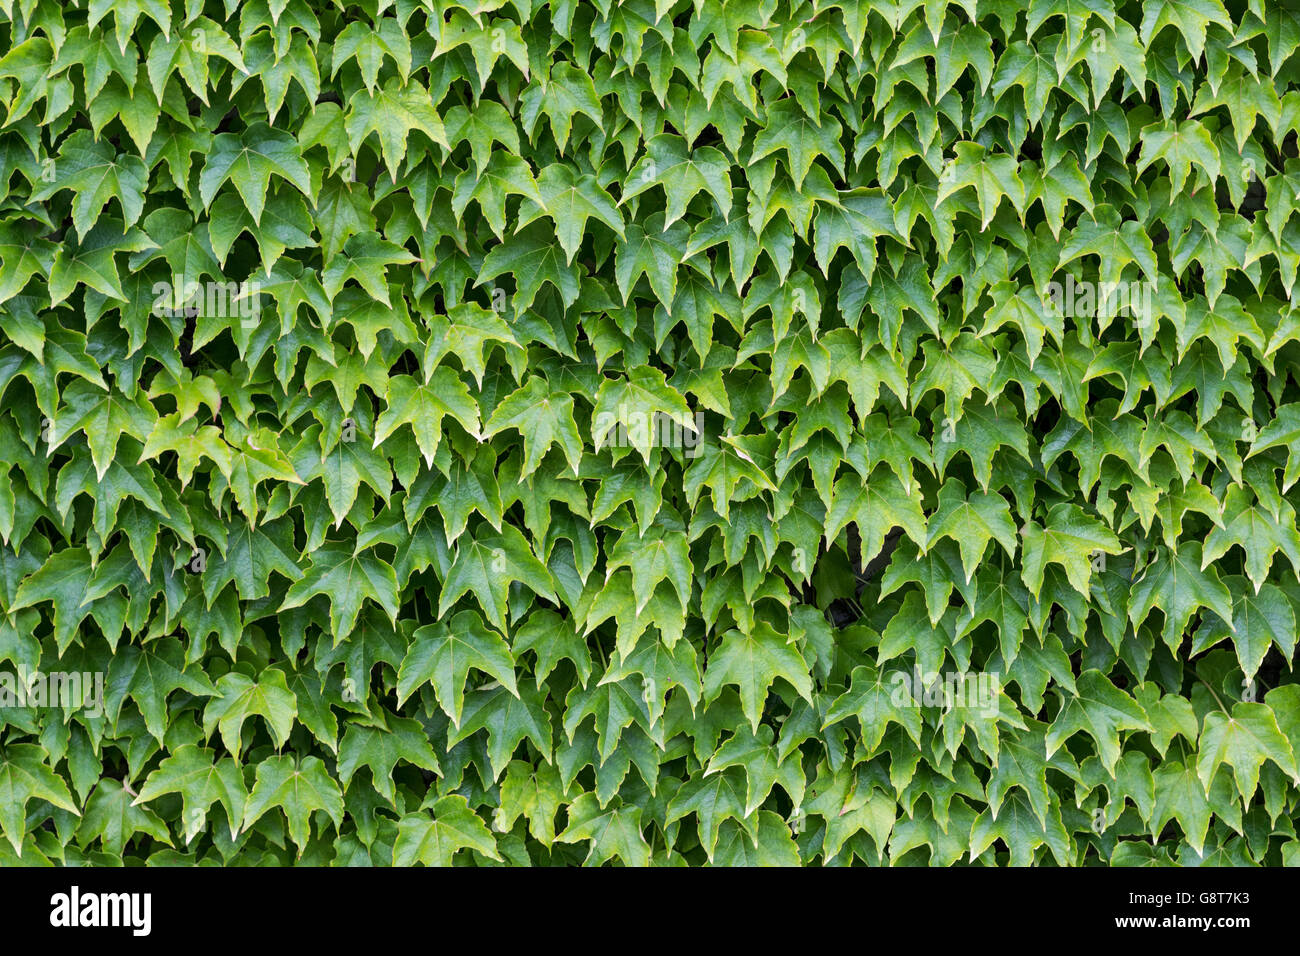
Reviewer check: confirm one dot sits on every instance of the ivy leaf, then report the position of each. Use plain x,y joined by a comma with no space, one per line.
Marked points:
299,789
423,407
802,137
972,521
381,748
569,200
24,776
614,831
509,720
148,677
1180,796
63,581
872,697
544,418
113,818
248,161
1243,739
348,578
442,655
752,661
1022,832
1102,711
991,176
1070,539
239,697
632,404
96,175
393,112
202,780
536,794
682,174
487,565
1178,584
1257,622
435,840
1259,534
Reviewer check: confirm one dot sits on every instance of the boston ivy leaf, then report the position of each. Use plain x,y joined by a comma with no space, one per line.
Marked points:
299,789
432,840
442,655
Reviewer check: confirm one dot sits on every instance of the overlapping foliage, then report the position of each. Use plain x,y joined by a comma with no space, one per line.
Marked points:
554,432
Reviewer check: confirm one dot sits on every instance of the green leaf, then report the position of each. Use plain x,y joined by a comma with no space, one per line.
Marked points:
24,776
1101,710
752,662
347,578
248,161
240,697
611,832
113,818
435,840
1243,740
442,655
298,789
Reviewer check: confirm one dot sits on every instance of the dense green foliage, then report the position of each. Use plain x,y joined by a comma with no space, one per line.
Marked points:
657,432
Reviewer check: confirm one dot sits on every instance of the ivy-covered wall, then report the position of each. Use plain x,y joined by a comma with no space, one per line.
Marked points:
659,432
